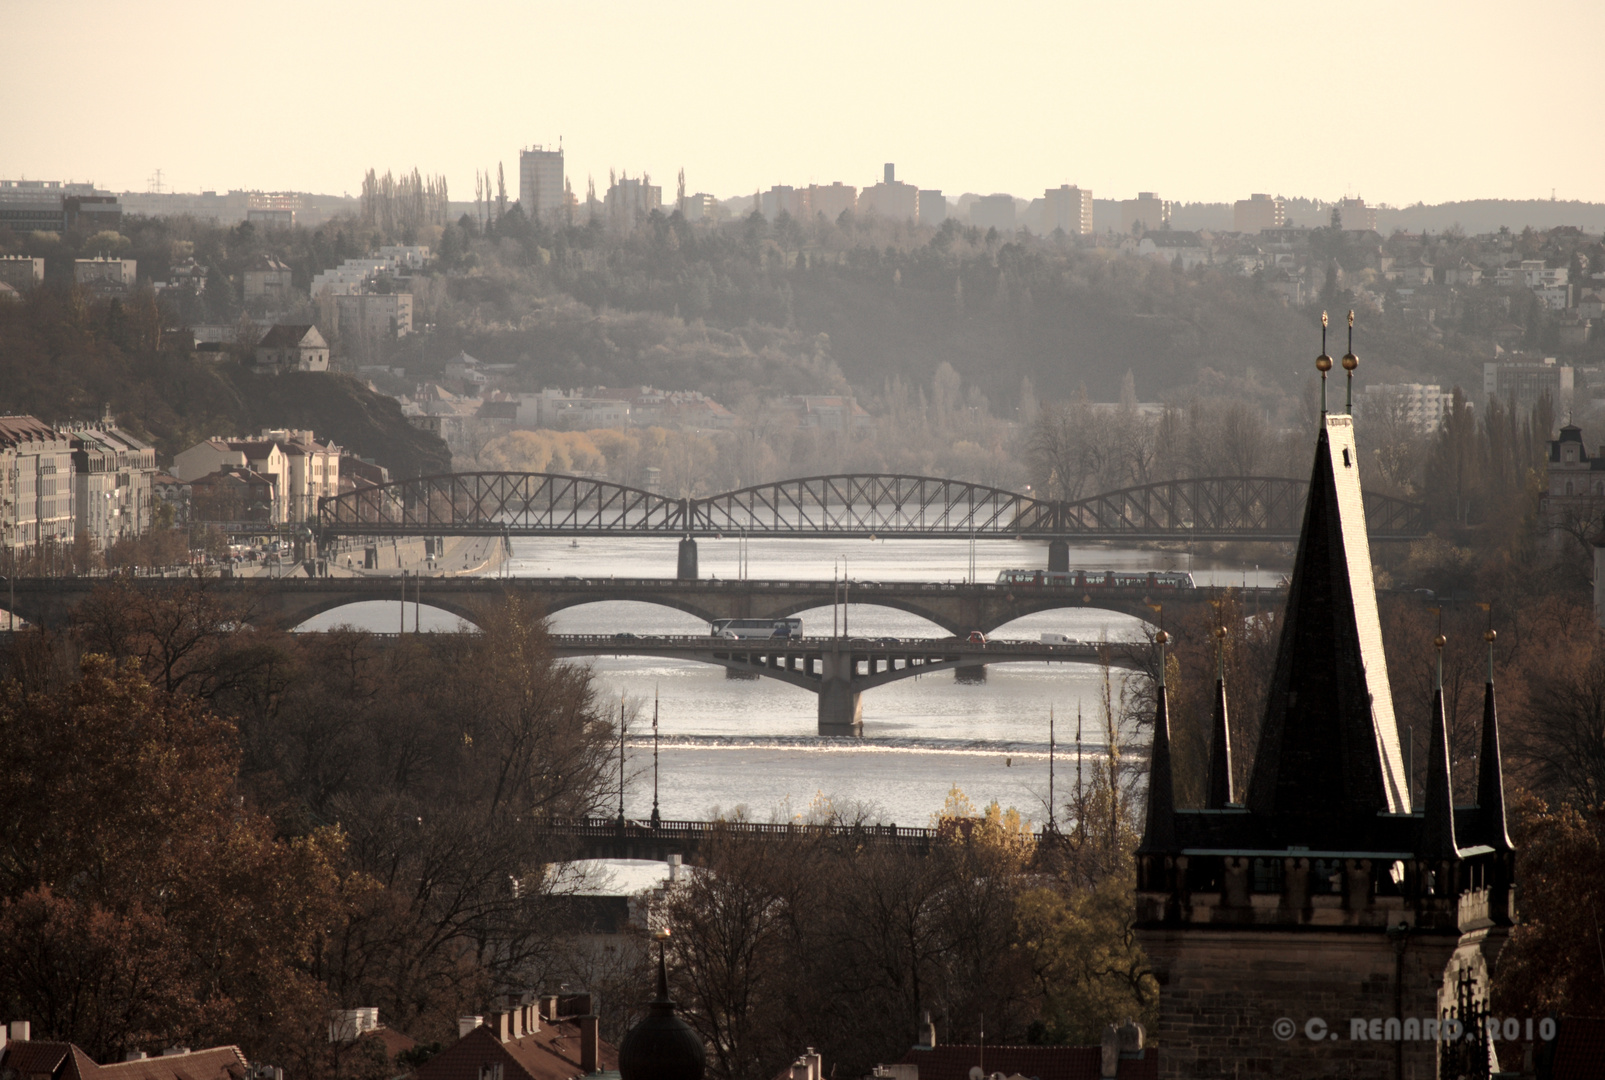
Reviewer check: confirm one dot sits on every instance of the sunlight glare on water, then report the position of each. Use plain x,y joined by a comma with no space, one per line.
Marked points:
750,743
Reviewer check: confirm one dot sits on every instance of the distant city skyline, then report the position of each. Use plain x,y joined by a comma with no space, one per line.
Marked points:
1395,103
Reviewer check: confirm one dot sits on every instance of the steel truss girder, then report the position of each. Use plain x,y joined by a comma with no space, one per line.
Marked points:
849,505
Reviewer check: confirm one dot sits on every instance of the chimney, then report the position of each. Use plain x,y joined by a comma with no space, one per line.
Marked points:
134,1055
799,1070
816,1064
590,1043
550,1003
532,1018
465,1024
175,1051
21,1030
516,1017
675,866
1110,1060
927,1032
504,1026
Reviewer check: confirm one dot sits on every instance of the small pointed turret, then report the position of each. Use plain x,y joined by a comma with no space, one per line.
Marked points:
1159,827
1438,823
1490,773
1220,738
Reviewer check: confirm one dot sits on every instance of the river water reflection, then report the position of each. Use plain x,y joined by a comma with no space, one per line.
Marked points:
750,743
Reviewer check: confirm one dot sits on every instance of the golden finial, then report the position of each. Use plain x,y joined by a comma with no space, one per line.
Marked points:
1161,637
1440,641
1323,364
1490,635
1220,631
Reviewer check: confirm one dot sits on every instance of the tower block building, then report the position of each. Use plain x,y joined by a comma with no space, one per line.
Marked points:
1320,897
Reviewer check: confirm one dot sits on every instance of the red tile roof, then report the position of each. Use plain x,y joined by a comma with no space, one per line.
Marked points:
552,1053
1040,1062
394,1042
214,1063
36,1060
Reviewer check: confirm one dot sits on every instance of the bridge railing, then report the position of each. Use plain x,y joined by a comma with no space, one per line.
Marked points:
707,642
602,828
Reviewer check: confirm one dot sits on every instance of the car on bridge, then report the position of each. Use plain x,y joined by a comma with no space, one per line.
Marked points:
977,638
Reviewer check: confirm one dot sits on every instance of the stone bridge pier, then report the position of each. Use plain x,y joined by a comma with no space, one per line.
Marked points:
841,704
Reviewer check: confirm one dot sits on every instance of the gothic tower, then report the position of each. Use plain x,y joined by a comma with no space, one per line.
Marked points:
1323,899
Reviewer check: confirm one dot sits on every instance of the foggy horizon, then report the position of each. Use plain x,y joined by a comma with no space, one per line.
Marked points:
1397,107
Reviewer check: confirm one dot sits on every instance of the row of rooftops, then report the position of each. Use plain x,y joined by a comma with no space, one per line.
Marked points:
28,432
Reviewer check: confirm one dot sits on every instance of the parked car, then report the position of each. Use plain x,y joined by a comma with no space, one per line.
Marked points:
977,638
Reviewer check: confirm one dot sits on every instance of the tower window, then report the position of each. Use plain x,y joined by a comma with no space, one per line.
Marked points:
1346,463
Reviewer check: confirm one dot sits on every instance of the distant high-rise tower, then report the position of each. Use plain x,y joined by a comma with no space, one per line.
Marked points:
1258,211
540,182
1068,208
891,173
1147,208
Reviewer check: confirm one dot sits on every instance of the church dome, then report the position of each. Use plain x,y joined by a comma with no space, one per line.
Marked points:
662,1046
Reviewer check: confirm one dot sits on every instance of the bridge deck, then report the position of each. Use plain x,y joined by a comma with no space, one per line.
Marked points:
813,650
608,838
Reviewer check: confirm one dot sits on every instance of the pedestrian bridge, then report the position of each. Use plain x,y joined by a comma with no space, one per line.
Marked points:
857,505
838,669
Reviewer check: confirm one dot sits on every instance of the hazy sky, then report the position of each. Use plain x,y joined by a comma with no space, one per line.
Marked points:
1397,101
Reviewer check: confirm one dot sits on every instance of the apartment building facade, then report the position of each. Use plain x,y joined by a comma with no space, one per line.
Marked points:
112,477
541,192
36,486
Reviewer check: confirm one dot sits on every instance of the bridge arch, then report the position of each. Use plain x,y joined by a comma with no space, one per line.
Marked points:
893,603
450,605
874,504
494,503
671,600
1224,506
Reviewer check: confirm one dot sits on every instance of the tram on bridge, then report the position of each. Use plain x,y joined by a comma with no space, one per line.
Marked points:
1099,579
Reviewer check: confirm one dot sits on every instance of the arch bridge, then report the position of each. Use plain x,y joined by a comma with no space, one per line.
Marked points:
857,505
956,608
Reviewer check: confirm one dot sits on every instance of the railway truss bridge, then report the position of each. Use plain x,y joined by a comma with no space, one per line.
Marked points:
856,506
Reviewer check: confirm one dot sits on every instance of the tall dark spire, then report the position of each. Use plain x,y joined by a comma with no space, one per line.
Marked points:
1159,827
662,1046
1491,828
1438,820
1220,737
1328,753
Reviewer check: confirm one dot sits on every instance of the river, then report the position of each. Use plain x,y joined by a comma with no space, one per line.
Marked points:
748,745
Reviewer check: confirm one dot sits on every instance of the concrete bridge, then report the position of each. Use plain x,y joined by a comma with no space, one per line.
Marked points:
838,669
956,608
